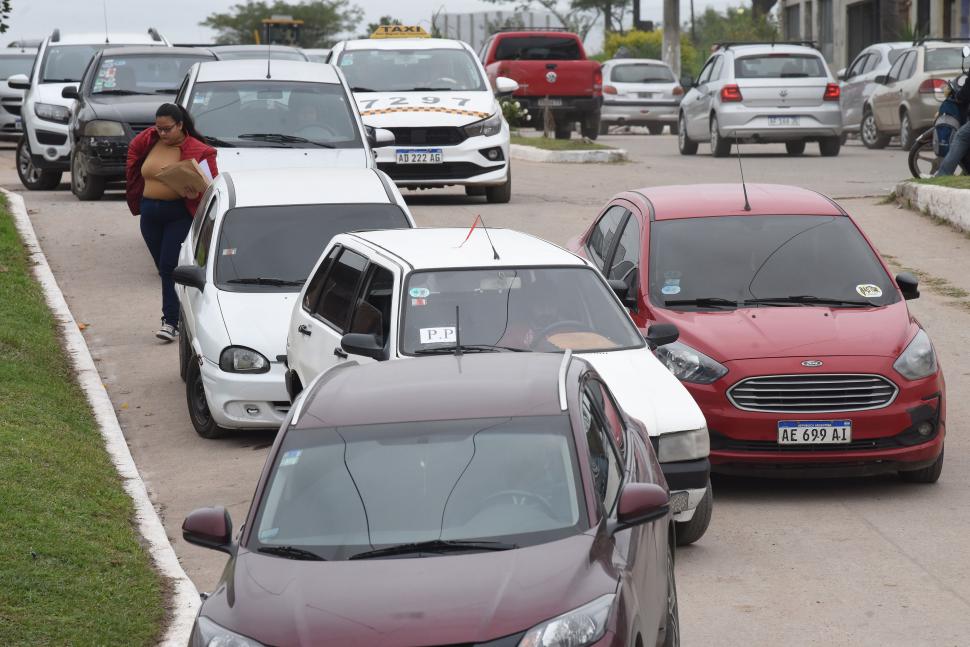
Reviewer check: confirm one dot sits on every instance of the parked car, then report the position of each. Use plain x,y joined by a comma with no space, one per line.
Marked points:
254,240
13,62
553,72
117,99
258,52
858,82
640,92
795,339
478,500
43,153
908,96
762,93
405,292
320,55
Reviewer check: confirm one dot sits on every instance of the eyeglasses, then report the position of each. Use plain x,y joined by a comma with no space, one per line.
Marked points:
164,130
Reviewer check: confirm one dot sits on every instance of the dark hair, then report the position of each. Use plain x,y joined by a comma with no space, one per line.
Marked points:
181,116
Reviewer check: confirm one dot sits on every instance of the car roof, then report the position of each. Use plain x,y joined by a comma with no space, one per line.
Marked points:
704,200
248,48
125,50
942,44
98,38
652,61
437,247
759,48
260,187
255,69
436,388
403,43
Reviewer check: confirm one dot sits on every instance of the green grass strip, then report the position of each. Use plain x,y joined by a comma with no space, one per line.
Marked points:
72,571
951,181
550,144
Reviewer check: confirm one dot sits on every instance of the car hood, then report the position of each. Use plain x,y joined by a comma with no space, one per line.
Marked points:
51,93
749,333
139,109
416,109
647,391
258,320
245,159
447,600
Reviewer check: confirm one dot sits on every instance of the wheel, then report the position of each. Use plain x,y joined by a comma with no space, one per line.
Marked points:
672,623
474,190
199,414
686,145
32,177
690,531
829,146
843,138
591,125
929,474
720,147
184,350
795,148
923,161
564,132
655,129
869,132
84,185
502,193
905,131
604,129
675,128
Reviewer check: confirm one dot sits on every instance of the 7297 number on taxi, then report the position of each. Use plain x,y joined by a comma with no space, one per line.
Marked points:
418,156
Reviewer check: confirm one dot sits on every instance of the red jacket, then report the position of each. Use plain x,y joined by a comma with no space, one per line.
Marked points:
138,150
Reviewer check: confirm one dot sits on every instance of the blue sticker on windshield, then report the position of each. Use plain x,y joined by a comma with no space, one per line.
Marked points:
291,457
419,293
670,289
269,533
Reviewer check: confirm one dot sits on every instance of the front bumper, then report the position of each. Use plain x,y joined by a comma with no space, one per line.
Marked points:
104,156
639,113
49,145
752,124
687,481
465,163
11,125
239,401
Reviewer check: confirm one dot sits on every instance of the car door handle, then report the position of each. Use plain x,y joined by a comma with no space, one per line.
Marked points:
303,330
339,352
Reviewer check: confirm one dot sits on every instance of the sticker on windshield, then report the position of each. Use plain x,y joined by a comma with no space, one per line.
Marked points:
346,59
440,335
419,302
269,533
869,291
670,289
291,457
229,251
419,293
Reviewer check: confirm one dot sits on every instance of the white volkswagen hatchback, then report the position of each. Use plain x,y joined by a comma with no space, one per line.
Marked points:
255,238
382,295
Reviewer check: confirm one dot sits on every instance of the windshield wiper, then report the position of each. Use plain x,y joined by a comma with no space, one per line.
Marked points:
810,299
283,139
434,546
703,302
427,90
357,88
119,92
467,348
292,552
259,280
215,141
167,91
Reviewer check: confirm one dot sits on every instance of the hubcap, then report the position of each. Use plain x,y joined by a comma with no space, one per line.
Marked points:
78,174
673,615
714,136
27,168
199,405
904,132
869,128
681,132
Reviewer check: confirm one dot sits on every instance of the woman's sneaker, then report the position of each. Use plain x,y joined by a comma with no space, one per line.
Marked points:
167,333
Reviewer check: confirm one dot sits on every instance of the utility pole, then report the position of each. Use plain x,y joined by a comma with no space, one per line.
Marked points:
671,53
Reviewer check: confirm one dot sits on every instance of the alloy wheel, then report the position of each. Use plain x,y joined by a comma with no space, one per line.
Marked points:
673,612
869,133
27,168
200,407
681,132
79,175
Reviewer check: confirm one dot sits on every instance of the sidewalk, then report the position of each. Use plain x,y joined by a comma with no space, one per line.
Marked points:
946,203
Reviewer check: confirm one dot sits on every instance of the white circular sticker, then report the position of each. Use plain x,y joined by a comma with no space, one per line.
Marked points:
868,290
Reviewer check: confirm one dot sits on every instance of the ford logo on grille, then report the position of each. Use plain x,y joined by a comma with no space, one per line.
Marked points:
811,363
551,77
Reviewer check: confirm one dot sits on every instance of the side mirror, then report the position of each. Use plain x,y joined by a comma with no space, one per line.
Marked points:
908,285
504,85
966,51
191,276
881,79
687,81
640,503
622,291
19,82
661,335
209,528
70,92
379,136
361,344
841,74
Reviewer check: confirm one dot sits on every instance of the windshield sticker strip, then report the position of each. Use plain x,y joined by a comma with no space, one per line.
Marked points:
449,111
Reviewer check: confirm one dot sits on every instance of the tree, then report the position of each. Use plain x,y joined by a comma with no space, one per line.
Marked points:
649,44
5,10
735,24
383,20
577,16
323,20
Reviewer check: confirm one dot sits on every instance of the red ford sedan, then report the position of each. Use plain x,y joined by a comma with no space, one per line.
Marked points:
795,340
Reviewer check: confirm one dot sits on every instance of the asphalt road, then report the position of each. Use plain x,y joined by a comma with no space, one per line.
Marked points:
846,562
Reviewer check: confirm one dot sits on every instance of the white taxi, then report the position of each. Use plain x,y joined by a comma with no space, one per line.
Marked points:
434,95
255,238
388,295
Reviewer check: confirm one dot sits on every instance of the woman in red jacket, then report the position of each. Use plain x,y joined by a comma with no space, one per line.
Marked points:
166,216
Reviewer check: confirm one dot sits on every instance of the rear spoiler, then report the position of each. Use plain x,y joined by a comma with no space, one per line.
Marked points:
729,45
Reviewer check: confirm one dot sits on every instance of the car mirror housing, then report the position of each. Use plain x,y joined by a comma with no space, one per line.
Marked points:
622,291
70,92
841,74
19,82
190,276
908,285
661,335
361,344
687,81
881,79
505,86
379,136
640,503
209,528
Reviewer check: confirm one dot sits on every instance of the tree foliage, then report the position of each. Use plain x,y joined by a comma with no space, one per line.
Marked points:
577,16
649,44
5,9
323,20
735,24
383,20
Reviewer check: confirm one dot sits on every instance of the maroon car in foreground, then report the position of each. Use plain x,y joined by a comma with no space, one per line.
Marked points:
492,500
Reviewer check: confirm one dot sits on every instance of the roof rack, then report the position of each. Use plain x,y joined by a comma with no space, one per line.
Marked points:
55,35
154,34
563,369
730,44
929,39
507,29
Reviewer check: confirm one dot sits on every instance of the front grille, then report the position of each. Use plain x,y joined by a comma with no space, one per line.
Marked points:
441,136
445,171
12,108
48,138
137,128
731,445
812,393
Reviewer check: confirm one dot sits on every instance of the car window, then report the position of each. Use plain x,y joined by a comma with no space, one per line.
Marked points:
872,63
66,63
627,256
205,236
943,58
779,66
340,289
206,204
604,463
601,238
641,73
858,66
893,73
315,287
16,64
705,74
537,48
909,66
141,74
373,313
278,54
716,71
410,70
613,419
894,55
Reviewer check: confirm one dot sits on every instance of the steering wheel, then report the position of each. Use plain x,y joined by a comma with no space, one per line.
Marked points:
569,324
543,503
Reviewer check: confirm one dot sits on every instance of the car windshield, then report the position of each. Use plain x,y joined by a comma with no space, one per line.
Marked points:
273,249
142,74
66,63
641,73
548,309
250,54
404,70
698,263
778,66
10,65
342,491
944,58
538,48
280,114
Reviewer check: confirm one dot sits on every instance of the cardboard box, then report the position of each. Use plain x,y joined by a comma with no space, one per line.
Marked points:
186,178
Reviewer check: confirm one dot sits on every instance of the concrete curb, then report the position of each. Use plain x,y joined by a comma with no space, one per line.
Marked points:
534,154
952,205
185,601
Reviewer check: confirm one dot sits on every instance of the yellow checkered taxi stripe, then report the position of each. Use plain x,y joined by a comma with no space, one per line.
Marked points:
441,109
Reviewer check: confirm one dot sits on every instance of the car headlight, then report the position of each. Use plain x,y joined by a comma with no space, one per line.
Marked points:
582,626
208,634
239,359
104,128
486,127
50,112
690,365
684,446
919,359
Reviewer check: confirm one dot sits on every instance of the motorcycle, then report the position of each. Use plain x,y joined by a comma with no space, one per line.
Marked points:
929,149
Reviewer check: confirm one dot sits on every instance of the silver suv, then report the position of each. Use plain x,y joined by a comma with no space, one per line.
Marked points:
762,93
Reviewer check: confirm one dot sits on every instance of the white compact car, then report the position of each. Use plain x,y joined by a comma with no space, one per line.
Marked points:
433,94
640,92
255,238
13,62
388,295
301,116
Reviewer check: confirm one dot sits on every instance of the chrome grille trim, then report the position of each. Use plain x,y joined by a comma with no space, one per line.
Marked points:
813,393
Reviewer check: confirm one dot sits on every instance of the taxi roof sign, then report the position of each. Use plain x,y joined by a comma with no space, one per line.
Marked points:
399,31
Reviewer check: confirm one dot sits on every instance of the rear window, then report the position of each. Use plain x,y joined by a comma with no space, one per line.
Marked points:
641,73
10,65
538,48
943,58
778,66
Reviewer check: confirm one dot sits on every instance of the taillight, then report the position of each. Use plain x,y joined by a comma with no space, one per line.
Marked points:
832,92
932,85
609,89
730,92
598,82
678,91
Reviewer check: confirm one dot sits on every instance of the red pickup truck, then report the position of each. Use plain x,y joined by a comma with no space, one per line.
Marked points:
552,70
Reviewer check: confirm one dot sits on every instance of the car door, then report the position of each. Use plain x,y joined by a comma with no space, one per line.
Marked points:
603,235
697,103
853,88
885,104
195,250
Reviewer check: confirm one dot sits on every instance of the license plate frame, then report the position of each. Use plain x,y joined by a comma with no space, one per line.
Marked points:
407,156
546,102
814,432
784,120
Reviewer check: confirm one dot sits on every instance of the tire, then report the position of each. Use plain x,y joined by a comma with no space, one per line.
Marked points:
685,144
675,128
905,131
829,146
655,129
922,149
672,623
473,191
843,138
930,474
604,129
564,132
690,531
591,126
85,186
500,194
199,415
796,147
32,177
869,132
720,147
184,350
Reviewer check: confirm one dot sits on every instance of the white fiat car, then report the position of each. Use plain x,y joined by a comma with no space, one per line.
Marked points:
255,238
381,295
433,94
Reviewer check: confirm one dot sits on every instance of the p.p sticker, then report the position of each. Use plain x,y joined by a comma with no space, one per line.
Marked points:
868,290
